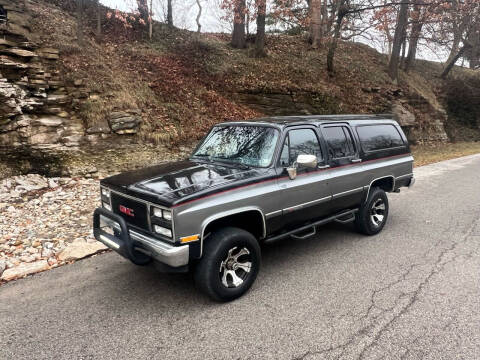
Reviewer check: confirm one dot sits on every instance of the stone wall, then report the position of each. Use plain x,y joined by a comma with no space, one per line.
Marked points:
34,103
37,107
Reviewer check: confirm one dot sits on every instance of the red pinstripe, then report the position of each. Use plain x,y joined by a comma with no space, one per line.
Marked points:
284,177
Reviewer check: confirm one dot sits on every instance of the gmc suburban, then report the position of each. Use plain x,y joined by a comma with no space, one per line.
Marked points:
249,183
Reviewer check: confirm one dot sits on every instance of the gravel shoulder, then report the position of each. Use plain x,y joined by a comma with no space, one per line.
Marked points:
45,222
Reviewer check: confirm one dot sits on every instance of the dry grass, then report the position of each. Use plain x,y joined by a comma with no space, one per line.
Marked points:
428,154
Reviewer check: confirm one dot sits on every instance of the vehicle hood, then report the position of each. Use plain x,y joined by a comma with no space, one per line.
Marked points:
171,183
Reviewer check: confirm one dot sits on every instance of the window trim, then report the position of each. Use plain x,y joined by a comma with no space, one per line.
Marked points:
384,149
301,127
355,147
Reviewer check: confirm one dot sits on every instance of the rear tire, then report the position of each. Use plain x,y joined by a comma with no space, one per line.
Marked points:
230,264
373,214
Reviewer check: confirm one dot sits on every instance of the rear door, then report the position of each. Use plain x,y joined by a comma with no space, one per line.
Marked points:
307,196
346,180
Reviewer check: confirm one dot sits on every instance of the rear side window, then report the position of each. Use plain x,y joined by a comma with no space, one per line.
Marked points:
339,141
379,137
300,141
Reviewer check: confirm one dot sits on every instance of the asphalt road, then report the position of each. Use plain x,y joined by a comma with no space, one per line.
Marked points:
412,292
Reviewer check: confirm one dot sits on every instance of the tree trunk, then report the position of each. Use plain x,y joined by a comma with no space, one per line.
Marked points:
98,32
199,14
80,9
150,21
342,12
397,41
413,44
404,49
316,23
260,37
169,13
238,36
324,12
452,61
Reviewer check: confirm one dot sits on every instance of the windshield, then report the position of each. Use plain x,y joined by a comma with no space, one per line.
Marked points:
246,145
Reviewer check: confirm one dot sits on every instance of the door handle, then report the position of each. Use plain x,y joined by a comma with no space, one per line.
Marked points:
323,167
356,160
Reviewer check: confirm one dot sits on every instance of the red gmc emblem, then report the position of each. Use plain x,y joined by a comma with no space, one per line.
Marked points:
126,211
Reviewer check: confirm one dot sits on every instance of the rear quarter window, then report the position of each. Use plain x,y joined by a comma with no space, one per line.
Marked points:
379,137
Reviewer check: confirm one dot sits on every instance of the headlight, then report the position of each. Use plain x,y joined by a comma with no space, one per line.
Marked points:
162,214
106,192
167,215
157,212
106,206
162,231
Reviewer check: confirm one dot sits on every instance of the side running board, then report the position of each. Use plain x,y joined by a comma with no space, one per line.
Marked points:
349,214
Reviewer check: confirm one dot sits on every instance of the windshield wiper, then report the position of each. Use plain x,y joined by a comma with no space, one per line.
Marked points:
225,160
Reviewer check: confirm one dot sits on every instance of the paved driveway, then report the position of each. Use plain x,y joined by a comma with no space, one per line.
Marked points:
411,292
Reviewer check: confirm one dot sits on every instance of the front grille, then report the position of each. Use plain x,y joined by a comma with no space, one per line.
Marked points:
140,212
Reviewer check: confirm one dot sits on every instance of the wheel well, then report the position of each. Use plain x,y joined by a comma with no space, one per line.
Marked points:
251,221
385,184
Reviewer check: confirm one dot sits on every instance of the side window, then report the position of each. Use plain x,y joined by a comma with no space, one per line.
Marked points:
301,141
379,137
339,141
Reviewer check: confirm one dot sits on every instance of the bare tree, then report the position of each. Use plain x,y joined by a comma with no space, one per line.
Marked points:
341,13
150,21
169,13
238,36
402,20
199,14
80,13
316,22
260,37
450,64
417,25
98,31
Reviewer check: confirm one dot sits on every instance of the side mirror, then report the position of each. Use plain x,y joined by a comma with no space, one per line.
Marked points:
306,160
303,160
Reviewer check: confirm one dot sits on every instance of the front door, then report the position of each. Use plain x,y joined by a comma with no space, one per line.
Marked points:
307,196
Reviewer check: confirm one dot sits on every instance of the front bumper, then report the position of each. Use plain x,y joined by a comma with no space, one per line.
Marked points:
134,245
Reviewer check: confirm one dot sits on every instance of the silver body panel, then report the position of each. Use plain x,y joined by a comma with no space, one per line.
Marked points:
282,196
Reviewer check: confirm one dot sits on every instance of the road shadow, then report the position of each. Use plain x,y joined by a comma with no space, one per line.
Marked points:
138,283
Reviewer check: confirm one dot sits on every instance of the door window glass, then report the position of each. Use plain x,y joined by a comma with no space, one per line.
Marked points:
301,141
339,141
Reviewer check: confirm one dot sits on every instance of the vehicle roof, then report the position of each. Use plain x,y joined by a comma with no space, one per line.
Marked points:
285,121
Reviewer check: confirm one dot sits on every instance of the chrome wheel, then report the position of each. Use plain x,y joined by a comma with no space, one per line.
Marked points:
236,267
377,212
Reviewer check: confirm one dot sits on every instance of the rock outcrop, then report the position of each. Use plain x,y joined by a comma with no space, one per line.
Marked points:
34,103
37,107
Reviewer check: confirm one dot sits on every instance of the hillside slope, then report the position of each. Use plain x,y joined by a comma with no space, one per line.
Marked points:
124,88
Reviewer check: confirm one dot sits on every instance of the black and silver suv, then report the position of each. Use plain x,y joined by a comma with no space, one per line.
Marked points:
253,182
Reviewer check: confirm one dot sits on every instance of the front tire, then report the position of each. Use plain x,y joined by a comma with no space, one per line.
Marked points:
230,264
373,214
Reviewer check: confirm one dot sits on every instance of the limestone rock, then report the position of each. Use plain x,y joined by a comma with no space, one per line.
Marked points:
24,269
98,130
3,266
53,121
125,122
403,116
80,249
7,43
19,52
